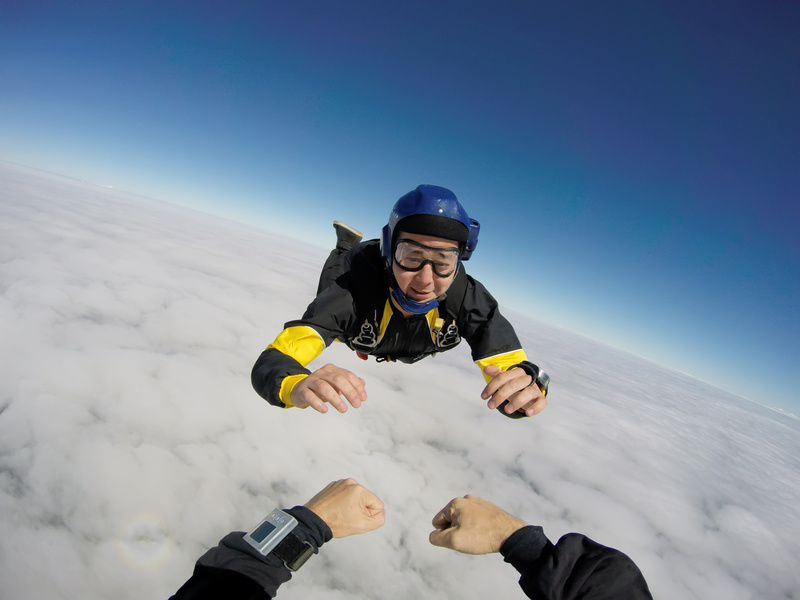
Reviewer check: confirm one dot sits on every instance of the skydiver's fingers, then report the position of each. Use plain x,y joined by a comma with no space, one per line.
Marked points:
504,384
327,393
531,401
327,385
344,382
473,526
491,387
303,396
347,384
443,518
499,378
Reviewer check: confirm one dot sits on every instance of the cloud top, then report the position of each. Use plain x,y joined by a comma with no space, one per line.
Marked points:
130,439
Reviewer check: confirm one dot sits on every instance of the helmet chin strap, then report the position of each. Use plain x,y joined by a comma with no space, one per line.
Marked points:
410,305
413,306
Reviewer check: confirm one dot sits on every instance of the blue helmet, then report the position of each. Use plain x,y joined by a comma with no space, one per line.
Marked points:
430,210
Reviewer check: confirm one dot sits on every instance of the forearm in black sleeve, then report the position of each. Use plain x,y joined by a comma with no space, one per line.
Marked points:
325,319
269,372
234,570
576,568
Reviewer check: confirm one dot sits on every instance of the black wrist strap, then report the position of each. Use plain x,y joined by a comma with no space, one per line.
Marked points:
293,551
540,378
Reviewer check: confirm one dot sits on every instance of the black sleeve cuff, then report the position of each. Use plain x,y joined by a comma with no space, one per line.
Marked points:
235,555
524,547
310,528
269,371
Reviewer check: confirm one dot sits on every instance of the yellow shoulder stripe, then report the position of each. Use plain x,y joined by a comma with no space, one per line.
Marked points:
503,361
385,318
300,342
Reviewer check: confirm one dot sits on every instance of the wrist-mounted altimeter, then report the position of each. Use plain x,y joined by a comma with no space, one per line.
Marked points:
274,535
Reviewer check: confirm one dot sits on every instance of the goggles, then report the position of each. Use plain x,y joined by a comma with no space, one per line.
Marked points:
412,256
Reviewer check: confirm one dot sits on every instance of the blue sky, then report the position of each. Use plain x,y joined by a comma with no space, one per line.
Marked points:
634,165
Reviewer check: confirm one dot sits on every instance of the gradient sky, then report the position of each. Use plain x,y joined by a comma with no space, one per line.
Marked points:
634,165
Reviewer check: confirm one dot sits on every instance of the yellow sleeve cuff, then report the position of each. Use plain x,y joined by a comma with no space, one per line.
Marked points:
503,361
303,344
287,385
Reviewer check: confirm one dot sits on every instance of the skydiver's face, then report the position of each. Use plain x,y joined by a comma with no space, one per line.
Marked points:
425,285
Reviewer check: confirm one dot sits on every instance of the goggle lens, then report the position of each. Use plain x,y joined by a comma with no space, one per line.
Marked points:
412,256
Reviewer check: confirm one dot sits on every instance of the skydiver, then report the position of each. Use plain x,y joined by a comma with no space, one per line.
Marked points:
401,298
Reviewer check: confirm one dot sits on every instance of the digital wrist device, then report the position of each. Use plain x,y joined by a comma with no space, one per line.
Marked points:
274,535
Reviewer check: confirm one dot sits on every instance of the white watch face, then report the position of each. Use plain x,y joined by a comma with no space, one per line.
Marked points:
270,531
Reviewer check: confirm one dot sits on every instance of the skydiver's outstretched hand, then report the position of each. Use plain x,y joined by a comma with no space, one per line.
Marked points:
348,508
327,385
515,386
473,526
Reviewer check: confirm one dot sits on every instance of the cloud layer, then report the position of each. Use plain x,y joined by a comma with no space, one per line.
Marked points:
131,440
